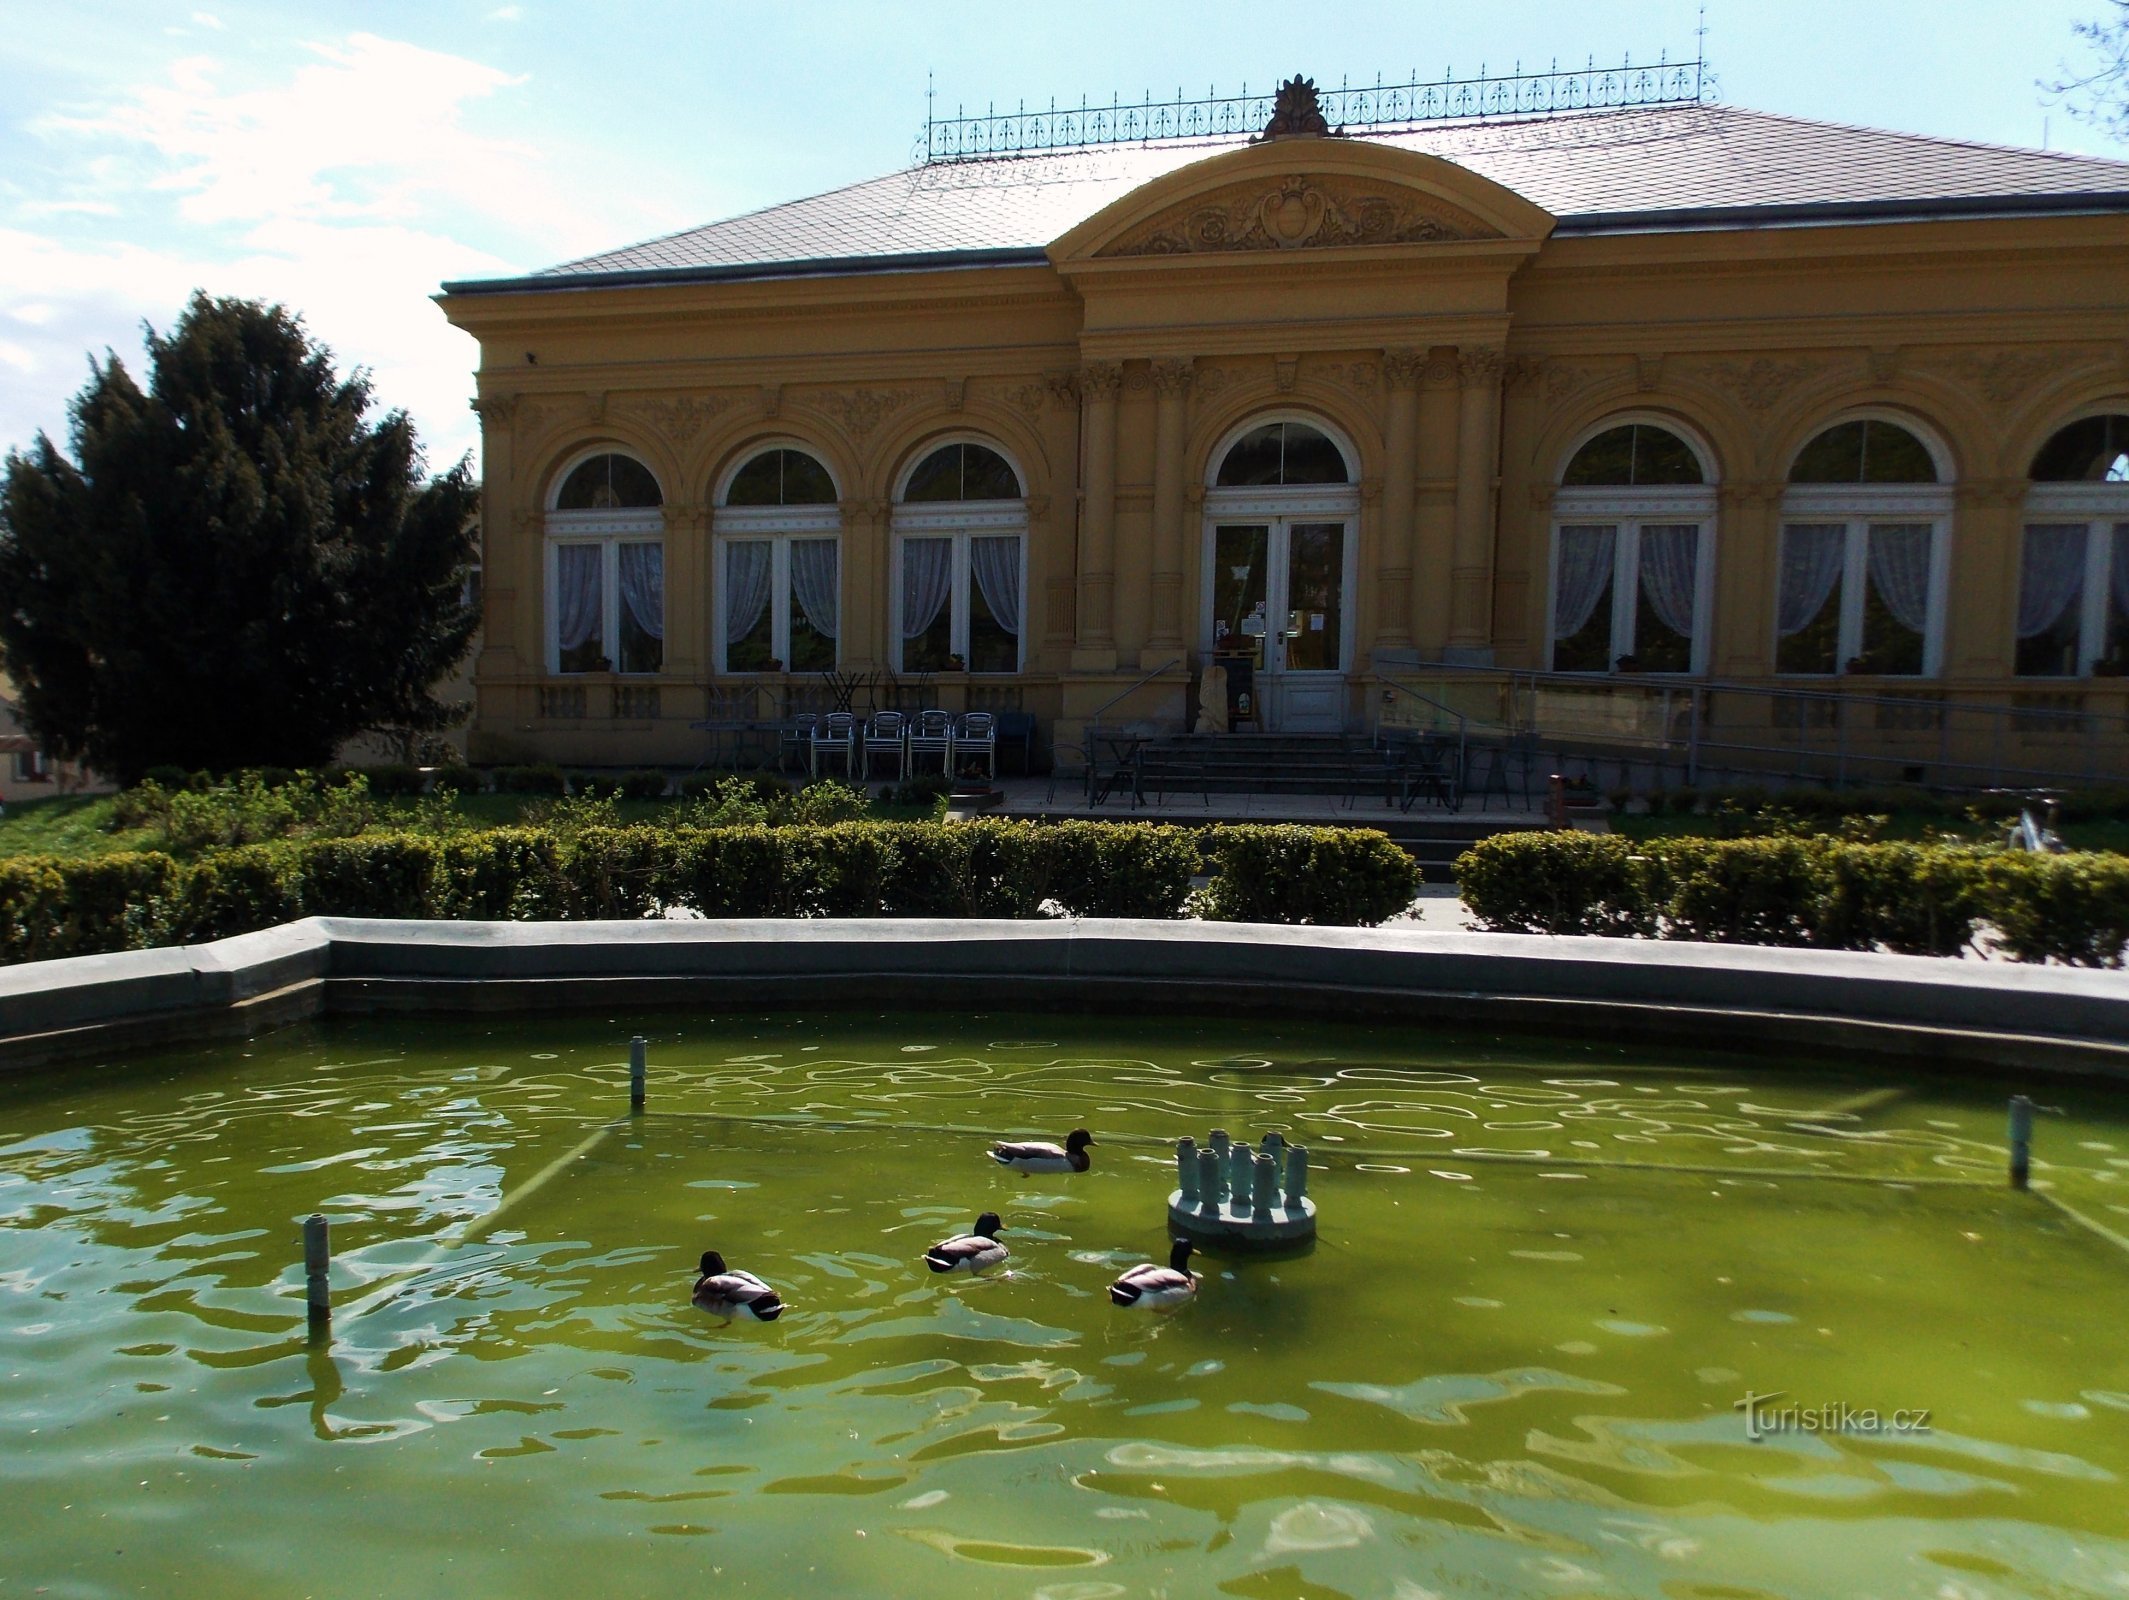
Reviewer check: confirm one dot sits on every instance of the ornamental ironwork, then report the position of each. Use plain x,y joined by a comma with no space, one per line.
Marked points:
1374,108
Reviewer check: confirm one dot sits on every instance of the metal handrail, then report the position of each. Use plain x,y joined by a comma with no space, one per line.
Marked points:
1462,722
1093,724
1953,741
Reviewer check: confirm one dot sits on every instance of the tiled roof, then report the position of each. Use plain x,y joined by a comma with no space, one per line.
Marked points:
1672,166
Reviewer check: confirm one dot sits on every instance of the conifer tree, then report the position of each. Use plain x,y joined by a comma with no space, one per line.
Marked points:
235,567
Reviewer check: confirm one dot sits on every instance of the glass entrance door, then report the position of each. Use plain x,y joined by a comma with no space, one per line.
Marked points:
1278,601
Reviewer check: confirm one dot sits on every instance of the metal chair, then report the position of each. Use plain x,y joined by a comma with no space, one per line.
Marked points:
887,735
794,745
977,733
932,734
835,735
1016,731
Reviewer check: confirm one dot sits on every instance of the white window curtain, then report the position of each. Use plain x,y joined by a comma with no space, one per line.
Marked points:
1899,571
927,582
643,586
2051,576
813,583
1585,568
996,563
1670,569
1812,557
748,571
578,604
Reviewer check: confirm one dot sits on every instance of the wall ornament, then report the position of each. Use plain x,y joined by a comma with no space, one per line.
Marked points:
1301,213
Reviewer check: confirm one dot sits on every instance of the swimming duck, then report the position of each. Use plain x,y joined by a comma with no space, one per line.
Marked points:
972,1252
1038,1157
728,1294
1155,1288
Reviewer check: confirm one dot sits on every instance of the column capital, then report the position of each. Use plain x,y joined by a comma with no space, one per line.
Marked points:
1523,374
1404,367
1172,377
1099,381
1480,365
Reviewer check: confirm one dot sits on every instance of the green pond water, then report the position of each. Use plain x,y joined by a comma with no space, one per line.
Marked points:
1510,1366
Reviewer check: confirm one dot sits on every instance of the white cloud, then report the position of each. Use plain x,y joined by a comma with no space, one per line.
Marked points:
347,189
507,14
207,19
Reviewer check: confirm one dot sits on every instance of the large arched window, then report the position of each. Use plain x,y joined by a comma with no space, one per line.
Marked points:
1282,454
960,527
2073,580
777,532
1863,558
606,568
1633,553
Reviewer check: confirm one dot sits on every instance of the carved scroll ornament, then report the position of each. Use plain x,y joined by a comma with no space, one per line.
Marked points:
1301,213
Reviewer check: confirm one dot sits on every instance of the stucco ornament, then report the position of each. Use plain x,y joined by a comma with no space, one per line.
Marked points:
1761,382
1301,213
680,420
862,410
2007,374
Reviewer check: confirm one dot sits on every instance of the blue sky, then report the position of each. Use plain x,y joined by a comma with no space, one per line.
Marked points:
345,159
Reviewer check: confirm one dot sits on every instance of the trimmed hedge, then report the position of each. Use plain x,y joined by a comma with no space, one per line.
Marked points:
1782,890
1327,876
53,906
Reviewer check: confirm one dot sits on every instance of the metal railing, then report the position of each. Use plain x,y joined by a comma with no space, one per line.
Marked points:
1951,737
1377,108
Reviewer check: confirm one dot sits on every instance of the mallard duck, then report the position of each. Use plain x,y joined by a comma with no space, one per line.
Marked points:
1038,1157
728,1294
1155,1288
976,1251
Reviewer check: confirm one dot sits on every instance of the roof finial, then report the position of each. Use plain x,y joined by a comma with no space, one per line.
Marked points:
1296,110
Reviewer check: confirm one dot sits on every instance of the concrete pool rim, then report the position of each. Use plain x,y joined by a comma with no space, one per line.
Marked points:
1732,998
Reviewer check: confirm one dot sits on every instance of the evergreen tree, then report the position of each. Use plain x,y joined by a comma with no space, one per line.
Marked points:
236,568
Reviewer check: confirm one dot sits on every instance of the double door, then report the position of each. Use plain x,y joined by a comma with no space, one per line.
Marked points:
1278,598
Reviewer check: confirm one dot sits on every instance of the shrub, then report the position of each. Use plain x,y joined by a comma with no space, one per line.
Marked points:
824,803
1325,876
237,891
1564,882
395,780
1007,869
594,786
733,872
644,784
617,872
547,780
841,870
2070,908
458,780
390,875
1745,891
765,787
1911,899
166,777
505,874
1120,869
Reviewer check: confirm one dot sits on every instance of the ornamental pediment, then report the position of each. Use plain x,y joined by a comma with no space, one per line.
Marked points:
1300,211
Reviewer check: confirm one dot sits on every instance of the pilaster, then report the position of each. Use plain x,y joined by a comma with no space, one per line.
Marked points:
1477,450
1099,382
1171,388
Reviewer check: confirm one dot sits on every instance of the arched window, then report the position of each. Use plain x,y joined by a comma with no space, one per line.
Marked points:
2073,580
777,533
962,472
608,483
1633,554
1864,526
960,526
606,568
1281,454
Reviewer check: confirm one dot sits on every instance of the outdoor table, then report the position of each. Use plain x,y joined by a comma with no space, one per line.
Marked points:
1125,750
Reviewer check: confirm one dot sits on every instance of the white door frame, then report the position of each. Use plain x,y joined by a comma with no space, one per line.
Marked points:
1313,700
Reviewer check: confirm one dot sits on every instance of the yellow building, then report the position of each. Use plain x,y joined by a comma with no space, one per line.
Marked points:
1660,422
